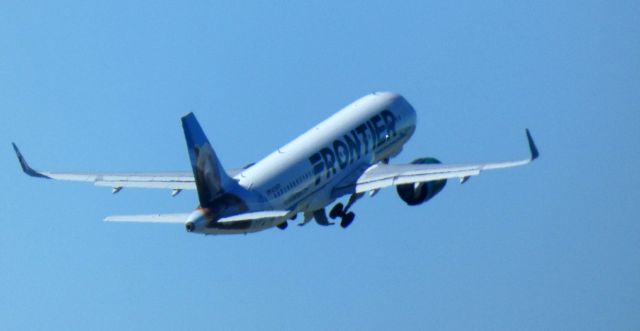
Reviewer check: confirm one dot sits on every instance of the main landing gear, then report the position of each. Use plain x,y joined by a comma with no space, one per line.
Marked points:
343,211
285,224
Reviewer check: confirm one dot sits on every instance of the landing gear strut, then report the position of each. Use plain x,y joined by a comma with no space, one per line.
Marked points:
343,211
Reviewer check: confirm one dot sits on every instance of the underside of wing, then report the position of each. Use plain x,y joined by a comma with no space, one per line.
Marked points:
383,175
175,181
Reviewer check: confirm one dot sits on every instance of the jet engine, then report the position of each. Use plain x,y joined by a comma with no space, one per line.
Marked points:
418,193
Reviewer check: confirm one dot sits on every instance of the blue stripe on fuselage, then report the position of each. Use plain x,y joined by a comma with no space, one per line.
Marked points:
360,141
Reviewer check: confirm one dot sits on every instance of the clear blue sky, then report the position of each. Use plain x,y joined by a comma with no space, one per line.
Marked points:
90,85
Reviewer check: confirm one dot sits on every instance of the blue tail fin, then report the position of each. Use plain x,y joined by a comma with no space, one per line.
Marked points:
211,179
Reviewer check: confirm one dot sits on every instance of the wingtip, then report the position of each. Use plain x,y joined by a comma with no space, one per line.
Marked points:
24,165
23,162
532,146
16,149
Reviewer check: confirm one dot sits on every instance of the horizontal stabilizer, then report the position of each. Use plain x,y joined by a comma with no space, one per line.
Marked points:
152,218
254,216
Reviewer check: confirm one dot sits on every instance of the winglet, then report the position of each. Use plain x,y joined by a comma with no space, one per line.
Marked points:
25,166
532,146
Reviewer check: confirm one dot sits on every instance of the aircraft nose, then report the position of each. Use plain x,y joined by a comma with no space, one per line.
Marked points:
386,95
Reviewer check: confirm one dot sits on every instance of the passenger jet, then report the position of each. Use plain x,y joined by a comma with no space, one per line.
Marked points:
346,155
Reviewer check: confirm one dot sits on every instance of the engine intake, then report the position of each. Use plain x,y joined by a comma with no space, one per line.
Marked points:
419,193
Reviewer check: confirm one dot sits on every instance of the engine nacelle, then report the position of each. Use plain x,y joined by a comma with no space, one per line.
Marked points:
415,194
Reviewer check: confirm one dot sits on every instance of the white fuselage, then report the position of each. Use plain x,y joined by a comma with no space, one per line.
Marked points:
322,164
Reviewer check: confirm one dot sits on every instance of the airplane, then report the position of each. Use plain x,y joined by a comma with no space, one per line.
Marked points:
348,154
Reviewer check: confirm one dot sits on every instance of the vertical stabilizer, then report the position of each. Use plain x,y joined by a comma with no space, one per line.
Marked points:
211,179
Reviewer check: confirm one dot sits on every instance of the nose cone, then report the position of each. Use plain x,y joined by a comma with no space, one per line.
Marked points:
408,108
196,221
385,95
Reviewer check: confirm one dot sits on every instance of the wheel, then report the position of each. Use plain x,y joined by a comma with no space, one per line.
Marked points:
336,211
347,219
283,225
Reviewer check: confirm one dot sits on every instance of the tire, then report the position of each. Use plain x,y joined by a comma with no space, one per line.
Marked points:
336,211
347,220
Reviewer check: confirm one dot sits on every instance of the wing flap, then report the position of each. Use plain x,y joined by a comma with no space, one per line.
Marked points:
182,181
155,184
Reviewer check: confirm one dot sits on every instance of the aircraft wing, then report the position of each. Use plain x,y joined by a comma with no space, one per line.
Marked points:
383,175
157,180
182,218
